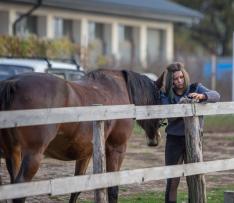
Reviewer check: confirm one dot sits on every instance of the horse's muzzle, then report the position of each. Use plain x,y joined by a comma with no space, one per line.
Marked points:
155,141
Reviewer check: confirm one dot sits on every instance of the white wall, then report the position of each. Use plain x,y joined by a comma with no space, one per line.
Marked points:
80,28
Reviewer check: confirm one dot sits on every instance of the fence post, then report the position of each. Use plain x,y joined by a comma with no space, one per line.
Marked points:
228,196
0,168
196,183
1,201
99,158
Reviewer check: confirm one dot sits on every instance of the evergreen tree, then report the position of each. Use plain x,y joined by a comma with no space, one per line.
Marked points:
214,32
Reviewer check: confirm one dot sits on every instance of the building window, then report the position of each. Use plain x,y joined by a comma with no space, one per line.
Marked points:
67,29
155,45
96,41
58,27
126,44
128,34
63,28
96,31
27,26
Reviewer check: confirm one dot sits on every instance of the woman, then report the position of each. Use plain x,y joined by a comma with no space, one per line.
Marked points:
176,84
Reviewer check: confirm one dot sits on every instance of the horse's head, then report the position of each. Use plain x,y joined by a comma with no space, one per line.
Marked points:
155,140
153,134
151,127
143,91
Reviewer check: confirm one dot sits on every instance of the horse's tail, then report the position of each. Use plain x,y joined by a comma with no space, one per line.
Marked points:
7,91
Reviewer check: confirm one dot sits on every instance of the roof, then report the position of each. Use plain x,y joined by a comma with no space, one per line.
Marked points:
148,9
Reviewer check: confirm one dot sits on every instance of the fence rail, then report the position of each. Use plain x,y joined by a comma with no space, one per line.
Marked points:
96,113
82,183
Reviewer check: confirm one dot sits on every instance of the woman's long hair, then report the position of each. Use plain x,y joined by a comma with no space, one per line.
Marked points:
168,79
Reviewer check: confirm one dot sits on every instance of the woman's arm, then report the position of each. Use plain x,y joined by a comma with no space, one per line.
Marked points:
205,94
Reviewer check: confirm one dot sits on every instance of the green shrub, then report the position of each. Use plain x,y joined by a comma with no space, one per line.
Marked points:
219,123
33,46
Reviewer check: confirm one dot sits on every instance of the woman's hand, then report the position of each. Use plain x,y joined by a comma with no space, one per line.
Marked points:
198,96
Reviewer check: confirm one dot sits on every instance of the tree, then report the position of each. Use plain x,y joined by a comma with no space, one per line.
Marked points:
214,32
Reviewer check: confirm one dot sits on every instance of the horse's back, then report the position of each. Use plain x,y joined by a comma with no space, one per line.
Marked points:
33,90
106,87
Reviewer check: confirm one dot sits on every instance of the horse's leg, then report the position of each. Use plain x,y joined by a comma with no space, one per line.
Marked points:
114,159
11,151
36,139
29,166
13,162
116,146
80,169
12,156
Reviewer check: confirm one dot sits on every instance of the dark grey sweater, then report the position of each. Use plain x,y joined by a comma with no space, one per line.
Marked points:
176,125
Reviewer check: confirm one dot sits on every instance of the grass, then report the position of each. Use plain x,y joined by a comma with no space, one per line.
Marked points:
231,139
219,123
137,130
215,195
216,124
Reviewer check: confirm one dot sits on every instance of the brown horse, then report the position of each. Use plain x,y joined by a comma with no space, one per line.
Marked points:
23,147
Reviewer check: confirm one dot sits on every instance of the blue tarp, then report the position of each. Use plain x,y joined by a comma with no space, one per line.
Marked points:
222,67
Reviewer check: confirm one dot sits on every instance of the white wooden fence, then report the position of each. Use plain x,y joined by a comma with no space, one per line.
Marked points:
95,113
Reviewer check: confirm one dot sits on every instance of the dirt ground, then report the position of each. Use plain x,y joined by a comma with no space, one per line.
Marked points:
215,147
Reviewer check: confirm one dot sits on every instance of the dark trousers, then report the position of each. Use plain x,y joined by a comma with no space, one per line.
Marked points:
175,153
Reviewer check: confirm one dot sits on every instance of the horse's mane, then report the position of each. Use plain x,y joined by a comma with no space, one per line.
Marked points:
7,90
142,90
98,75
104,77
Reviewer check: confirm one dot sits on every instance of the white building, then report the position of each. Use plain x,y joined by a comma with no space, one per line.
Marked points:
129,30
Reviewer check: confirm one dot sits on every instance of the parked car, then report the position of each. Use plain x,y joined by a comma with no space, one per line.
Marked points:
65,70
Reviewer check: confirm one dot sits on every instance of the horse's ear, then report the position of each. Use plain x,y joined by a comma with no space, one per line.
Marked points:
159,82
